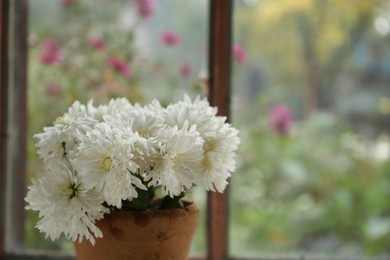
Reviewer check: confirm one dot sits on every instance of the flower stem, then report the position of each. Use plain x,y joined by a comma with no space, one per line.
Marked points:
172,203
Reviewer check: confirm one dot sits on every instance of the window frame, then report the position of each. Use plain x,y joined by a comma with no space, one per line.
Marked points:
13,128
220,43
3,119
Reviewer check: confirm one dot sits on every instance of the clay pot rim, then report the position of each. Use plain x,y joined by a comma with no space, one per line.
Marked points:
190,208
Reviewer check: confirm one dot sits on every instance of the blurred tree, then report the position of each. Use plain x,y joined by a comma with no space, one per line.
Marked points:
307,41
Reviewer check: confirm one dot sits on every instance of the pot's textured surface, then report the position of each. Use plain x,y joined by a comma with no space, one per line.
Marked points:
164,234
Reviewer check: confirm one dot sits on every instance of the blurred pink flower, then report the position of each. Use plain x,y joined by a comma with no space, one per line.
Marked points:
119,65
68,2
239,54
50,52
185,69
97,44
170,38
280,119
53,89
145,7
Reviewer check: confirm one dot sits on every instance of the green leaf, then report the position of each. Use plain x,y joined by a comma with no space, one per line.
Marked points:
172,203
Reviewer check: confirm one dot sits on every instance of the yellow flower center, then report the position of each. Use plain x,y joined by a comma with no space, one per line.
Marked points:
59,149
175,159
210,145
59,121
106,163
71,190
62,120
143,133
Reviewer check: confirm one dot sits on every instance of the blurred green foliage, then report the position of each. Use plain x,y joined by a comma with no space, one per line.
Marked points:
329,55
323,188
320,189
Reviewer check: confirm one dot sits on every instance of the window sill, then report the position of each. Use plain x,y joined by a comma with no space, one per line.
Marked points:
51,255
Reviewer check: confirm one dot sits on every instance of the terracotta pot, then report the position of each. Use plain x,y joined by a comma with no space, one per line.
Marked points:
163,234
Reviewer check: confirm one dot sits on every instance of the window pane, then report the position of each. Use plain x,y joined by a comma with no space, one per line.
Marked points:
83,49
312,101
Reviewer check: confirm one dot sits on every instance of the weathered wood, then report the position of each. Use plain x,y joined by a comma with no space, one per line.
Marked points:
18,119
3,117
49,255
219,95
14,124
34,255
220,33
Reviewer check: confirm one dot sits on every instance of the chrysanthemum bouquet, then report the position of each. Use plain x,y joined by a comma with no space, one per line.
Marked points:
121,156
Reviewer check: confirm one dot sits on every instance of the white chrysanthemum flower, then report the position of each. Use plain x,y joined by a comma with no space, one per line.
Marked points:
219,157
98,112
115,106
179,162
62,138
51,143
220,139
36,198
139,119
118,105
155,108
197,113
64,204
76,121
105,160
143,127
200,104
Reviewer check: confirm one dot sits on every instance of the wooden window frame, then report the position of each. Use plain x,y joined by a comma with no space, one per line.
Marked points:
13,81
220,38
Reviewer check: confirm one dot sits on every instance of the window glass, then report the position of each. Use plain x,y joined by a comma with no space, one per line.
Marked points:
97,49
311,97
